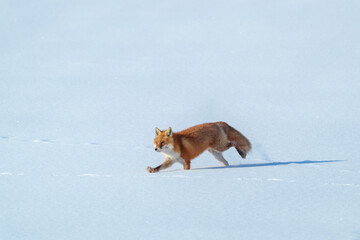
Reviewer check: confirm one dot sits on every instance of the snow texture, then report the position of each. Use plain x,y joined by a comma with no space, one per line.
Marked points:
83,84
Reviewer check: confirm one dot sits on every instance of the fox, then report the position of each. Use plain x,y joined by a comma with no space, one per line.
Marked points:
182,147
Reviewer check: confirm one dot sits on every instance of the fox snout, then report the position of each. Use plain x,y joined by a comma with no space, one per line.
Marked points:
160,149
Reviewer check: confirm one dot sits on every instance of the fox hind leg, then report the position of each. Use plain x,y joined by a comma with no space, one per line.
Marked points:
219,156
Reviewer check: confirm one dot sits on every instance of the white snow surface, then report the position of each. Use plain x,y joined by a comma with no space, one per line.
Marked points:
83,84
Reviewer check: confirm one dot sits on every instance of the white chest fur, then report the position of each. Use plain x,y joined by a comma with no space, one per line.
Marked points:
169,153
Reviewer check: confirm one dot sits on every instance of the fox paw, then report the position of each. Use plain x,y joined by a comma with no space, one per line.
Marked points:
150,169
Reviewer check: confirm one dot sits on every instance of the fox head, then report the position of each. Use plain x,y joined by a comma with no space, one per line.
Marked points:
164,141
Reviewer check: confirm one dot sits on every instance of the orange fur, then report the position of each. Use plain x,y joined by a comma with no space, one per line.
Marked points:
186,145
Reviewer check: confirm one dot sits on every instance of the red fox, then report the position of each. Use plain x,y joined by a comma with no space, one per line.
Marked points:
186,145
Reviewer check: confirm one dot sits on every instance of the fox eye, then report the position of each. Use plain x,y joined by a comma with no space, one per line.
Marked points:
162,143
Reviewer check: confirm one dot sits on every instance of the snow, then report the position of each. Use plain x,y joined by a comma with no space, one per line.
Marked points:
84,84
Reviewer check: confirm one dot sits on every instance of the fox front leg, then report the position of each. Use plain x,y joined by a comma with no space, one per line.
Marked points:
164,165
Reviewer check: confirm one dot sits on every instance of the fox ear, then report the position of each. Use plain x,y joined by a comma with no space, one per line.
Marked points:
157,131
169,132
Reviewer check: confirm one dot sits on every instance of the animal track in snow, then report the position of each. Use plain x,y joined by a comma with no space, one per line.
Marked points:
275,179
42,141
94,175
266,180
53,141
10,174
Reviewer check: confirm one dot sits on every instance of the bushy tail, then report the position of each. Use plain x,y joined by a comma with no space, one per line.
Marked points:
241,143
243,146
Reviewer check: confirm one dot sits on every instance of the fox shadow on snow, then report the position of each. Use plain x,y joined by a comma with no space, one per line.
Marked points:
269,164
